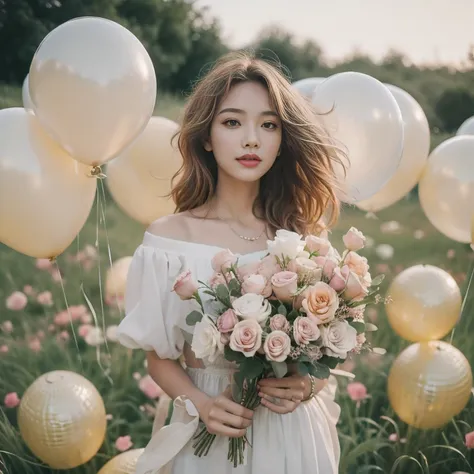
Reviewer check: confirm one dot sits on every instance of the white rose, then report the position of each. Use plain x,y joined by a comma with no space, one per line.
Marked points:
286,243
252,306
338,338
206,343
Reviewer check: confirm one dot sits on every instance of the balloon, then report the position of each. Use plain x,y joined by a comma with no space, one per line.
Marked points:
93,87
424,303
25,94
414,156
62,419
306,86
446,188
123,463
467,127
140,177
364,119
45,195
429,383
116,280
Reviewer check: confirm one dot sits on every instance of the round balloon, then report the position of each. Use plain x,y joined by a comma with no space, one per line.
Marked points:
365,121
429,383
446,188
62,419
424,303
307,86
140,178
25,94
93,87
123,463
467,127
45,195
415,154
116,280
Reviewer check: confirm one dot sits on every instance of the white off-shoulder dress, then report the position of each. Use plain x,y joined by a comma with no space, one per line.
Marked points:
302,442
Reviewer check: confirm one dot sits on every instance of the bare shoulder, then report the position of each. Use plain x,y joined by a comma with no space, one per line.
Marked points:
171,227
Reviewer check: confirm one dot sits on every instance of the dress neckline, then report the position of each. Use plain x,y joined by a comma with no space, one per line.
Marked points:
176,243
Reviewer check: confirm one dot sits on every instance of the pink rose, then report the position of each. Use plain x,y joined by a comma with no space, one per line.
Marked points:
357,391
28,290
284,285
223,260
62,318
45,298
277,346
226,321
122,443
279,323
254,284
86,318
338,281
355,290
305,330
354,239
394,439
4,349
356,264
306,269
7,327
16,301
84,330
44,264
318,245
64,336
338,339
268,267
320,302
149,387
470,440
243,271
246,337
35,345
77,312
216,280
11,400
327,264
184,286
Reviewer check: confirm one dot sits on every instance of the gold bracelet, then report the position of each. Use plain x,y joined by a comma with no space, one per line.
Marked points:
311,394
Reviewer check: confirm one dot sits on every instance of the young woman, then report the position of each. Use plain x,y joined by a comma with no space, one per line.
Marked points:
255,160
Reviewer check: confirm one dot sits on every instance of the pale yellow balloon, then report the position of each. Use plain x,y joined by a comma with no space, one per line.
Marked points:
361,115
415,154
45,195
116,280
424,303
93,87
446,188
467,127
140,178
25,94
123,463
62,419
429,383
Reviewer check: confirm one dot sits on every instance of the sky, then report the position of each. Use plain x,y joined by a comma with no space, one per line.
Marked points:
426,31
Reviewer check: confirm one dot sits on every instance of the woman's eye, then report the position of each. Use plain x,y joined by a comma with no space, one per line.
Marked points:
270,125
231,123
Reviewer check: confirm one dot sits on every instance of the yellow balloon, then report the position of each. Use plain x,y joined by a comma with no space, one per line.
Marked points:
446,188
93,87
116,280
362,117
415,154
429,383
424,303
467,127
140,177
62,419
45,195
124,463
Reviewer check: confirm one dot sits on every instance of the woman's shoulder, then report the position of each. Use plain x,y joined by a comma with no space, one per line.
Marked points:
173,226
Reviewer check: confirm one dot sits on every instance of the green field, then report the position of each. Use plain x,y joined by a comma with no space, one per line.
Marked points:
364,434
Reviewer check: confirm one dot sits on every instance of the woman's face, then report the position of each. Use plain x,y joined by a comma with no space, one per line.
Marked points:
245,134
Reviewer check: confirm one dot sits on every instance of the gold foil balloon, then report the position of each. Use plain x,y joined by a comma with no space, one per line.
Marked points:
446,188
116,280
93,87
467,127
124,463
140,178
62,419
415,154
363,118
424,303
45,195
429,383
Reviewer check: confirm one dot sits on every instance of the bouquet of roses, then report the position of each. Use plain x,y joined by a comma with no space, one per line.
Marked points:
302,304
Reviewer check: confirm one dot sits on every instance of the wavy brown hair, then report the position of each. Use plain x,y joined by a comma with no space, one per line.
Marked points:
300,188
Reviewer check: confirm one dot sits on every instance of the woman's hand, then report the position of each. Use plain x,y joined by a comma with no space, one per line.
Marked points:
223,416
284,395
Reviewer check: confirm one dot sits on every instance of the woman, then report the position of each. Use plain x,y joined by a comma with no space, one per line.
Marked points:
255,160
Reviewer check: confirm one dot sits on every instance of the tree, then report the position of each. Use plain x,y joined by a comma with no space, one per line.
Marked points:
453,107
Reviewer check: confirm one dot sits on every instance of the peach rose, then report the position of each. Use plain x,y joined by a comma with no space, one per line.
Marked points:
254,284
305,330
306,269
184,286
246,337
354,290
279,323
318,245
320,302
226,321
356,264
223,260
277,346
243,271
327,264
338,281
284,285
354,239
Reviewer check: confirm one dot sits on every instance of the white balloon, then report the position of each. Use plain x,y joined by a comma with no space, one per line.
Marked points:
306,86
25,94
467,127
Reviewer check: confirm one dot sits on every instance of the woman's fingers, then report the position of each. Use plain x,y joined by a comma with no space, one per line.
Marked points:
282,406
288,394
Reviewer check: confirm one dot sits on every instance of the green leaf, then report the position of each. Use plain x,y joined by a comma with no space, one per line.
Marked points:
292,315
233,356
234,286
331,362
303,368
282,310
280,369
251,368
222,292
377,280
193,317
318,370
359,326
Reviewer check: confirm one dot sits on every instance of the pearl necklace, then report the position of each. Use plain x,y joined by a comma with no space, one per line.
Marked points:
243,237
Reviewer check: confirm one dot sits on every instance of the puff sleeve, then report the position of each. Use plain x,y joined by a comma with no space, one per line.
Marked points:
152,311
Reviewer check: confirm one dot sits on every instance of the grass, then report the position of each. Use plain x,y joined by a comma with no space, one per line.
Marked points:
364,429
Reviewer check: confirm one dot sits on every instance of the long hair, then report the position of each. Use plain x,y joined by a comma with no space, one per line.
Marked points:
300,188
